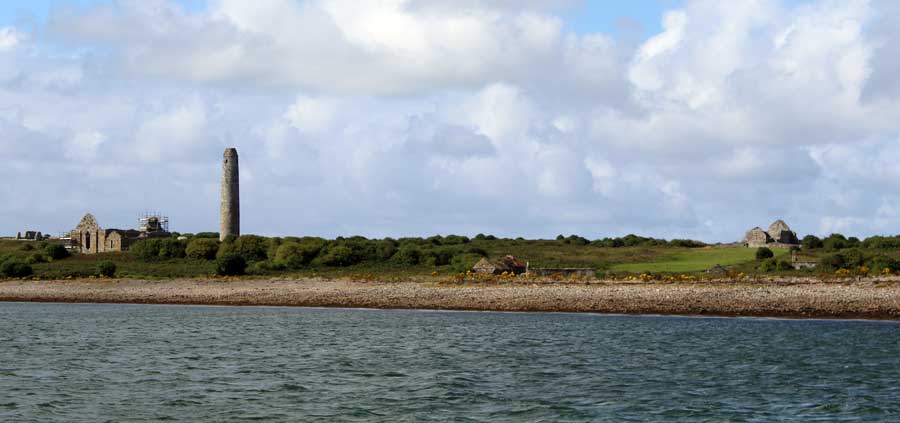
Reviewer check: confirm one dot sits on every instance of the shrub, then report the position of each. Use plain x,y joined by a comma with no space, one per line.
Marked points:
455,240
252,247
686,243
831,263
147,249
26,247
263,267
768,265
463,262
56,251
214,235
202,248
171,248
882,242
835,242
879,263
338,256
231,265
478,251
810,242
853,257
783,265
107,269
295,254
763,253
274,243
387,248
15,269
409,255
36,258
438,256
576,240
225,248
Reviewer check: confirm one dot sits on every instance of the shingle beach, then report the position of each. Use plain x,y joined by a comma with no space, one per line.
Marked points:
865,299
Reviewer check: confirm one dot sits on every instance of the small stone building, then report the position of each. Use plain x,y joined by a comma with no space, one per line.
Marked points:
778,235
506,264
89,238
757,237
31,236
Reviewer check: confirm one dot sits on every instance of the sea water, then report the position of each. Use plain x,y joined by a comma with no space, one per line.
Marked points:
94,363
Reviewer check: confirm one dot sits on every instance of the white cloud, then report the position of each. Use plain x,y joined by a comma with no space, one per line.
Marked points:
10,37
407,117
84,145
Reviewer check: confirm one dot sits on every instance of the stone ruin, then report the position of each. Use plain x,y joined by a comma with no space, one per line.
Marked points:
31,236
778,235
89,238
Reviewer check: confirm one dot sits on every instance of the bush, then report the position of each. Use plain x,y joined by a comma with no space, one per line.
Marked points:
202,248
36,258
455,240
882,242
296,255
56,251
783,265
225,248
438,256
26,247
171,248
252,247
879,263
686,243
763,253
463,262
409,255
272,251
811,242
263,267
231,265
831,263
387,248
338,256
772,264
835,242
15,269
853,258
214,235
107,269
146,250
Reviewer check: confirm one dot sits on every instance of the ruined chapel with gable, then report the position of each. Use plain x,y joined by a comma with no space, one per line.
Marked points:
89,238
778,235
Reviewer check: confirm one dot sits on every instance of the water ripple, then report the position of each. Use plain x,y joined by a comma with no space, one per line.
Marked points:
88,363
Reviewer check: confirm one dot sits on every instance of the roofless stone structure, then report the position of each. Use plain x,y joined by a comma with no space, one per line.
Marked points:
779,234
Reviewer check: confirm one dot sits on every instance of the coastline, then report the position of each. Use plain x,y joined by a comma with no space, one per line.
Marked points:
808,299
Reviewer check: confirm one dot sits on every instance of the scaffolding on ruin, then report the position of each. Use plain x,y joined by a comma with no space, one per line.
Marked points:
146,222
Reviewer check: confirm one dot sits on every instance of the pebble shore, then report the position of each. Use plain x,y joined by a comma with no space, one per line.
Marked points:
857,299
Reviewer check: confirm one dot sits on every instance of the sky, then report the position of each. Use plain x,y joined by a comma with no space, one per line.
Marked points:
675,119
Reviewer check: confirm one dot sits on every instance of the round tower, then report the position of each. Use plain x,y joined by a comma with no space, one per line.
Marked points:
230,210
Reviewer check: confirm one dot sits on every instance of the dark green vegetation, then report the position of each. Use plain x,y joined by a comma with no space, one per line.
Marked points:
203,255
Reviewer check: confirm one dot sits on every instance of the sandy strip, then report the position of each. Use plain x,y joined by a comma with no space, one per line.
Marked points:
820,300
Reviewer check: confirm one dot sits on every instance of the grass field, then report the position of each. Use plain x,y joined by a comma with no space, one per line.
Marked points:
695,260
538,253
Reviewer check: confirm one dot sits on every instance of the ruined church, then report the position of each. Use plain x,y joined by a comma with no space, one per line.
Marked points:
778,235
89,238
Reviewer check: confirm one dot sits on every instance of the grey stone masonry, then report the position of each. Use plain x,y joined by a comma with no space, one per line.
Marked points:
230,210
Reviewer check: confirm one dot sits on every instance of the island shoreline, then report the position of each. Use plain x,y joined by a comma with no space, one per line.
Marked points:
808,300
